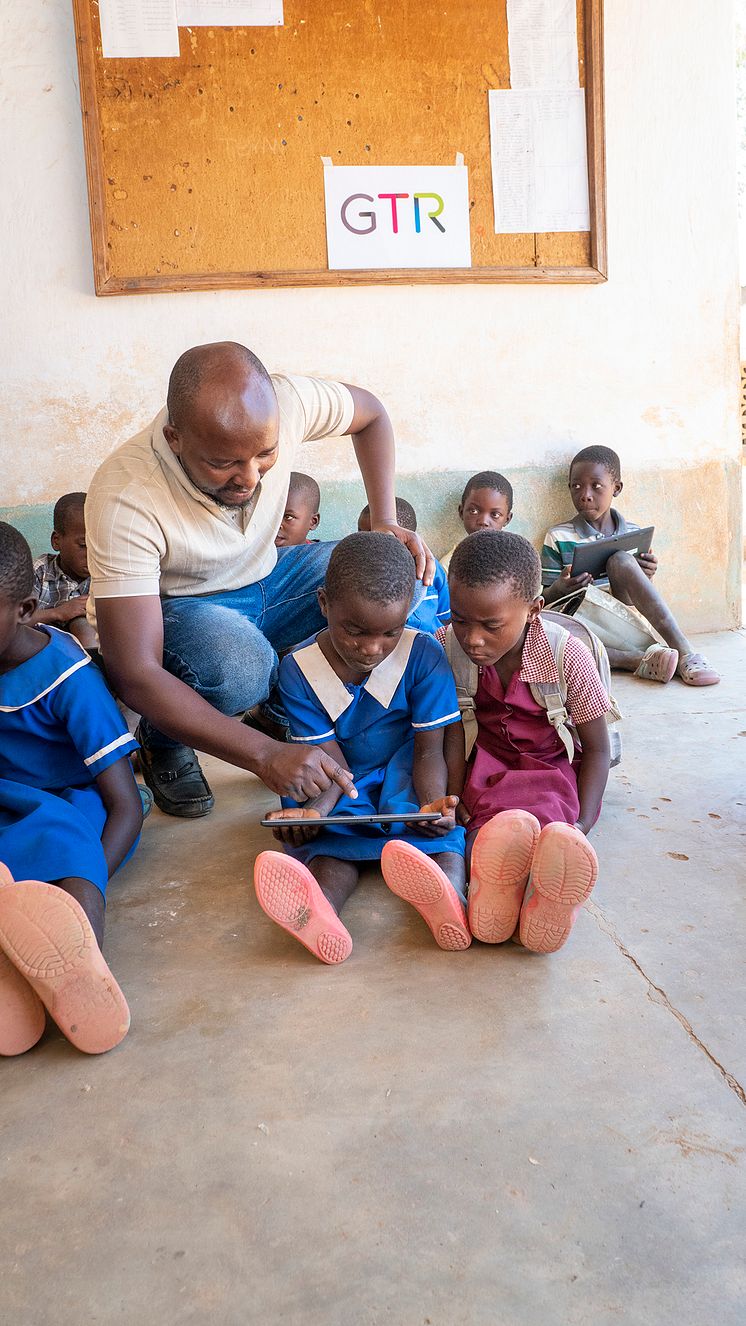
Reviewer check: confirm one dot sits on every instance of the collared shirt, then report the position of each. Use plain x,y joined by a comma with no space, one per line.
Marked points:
561,541
52,585
586,696
151,531
412,690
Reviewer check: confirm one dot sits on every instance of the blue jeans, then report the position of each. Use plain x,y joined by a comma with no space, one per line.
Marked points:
225,646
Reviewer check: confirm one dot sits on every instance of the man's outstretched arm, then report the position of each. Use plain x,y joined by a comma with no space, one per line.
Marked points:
373,440
131,635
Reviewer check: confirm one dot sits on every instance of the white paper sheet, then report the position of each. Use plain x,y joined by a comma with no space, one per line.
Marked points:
132,28
229,13
539,161
424,224
543,43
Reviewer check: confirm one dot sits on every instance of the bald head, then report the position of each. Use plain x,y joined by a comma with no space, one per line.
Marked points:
221,364
223,420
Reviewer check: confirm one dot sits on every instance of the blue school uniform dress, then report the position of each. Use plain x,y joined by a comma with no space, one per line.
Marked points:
431,604
59,729
374,724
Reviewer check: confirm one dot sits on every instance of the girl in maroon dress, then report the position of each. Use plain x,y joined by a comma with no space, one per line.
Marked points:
525,805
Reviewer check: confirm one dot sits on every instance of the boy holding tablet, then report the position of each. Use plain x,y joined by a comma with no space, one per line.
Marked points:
622,606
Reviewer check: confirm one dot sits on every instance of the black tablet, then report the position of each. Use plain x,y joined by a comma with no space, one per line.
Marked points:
416,817
593,555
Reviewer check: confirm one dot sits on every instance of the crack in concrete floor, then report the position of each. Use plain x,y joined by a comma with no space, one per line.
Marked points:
658,996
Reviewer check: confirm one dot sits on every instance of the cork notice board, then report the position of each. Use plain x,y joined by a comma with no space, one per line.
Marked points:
204,171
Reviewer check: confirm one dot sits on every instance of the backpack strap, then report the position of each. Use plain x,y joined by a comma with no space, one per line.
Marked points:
553,696
466,677
557,628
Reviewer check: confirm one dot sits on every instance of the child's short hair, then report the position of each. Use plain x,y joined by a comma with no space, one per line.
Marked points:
63,509
406,516
306,488
489,479
493,557
374,566
600,456
16,565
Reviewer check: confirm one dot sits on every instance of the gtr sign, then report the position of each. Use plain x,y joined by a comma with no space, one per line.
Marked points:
396,217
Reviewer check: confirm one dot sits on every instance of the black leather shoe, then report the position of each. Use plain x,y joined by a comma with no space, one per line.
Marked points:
174,777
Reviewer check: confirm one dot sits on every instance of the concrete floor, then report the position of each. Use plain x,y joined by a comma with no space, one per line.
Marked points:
416,1137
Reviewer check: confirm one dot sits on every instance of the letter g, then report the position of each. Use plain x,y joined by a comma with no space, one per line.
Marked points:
370,216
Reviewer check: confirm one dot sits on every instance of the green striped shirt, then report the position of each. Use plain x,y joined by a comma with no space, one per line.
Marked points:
561,540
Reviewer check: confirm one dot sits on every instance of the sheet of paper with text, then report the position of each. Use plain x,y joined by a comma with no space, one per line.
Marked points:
229,13
543,43
396,216
133,28
539,161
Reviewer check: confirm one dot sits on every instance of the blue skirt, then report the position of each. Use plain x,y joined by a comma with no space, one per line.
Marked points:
53,835
385,791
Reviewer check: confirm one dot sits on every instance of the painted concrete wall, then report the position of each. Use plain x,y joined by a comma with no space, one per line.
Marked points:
506,376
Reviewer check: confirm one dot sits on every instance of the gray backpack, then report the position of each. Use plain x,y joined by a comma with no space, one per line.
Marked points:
551,697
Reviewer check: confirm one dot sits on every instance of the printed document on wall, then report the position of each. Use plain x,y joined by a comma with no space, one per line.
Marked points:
132,28
230,13
539,161
543,43
396,216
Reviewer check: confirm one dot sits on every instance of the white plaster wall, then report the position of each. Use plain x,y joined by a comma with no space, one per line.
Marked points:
508,375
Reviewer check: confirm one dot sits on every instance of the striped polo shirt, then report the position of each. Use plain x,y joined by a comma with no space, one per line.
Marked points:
561,540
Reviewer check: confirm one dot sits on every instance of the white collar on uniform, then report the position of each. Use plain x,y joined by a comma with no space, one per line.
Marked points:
331,690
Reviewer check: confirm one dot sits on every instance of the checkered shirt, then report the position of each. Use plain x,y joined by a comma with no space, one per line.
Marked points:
52,585
586,696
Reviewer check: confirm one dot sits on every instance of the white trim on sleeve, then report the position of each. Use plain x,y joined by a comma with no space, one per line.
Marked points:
106,750
318,736
437,721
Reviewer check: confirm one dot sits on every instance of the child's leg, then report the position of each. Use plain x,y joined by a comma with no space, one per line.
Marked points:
336,879
629,584
46,934
292,896
434,885
91,900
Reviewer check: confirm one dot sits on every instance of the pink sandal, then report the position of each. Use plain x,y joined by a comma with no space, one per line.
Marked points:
419,880
563,873
658,664
288,893
500,864
47,936
694,670
22,1016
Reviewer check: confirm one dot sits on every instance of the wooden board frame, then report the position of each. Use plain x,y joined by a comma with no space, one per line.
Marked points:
109,283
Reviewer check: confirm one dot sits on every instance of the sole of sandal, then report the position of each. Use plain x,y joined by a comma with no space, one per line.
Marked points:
413,876
563,873
500,864
22,1015
290,896
48,938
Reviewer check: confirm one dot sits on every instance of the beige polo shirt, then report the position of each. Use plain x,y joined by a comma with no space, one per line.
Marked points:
150,531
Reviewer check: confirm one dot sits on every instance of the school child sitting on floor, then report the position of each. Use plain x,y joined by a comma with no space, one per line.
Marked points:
376,696
623,607
301,512
526,804
61,579
486,503
430,608
70,814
